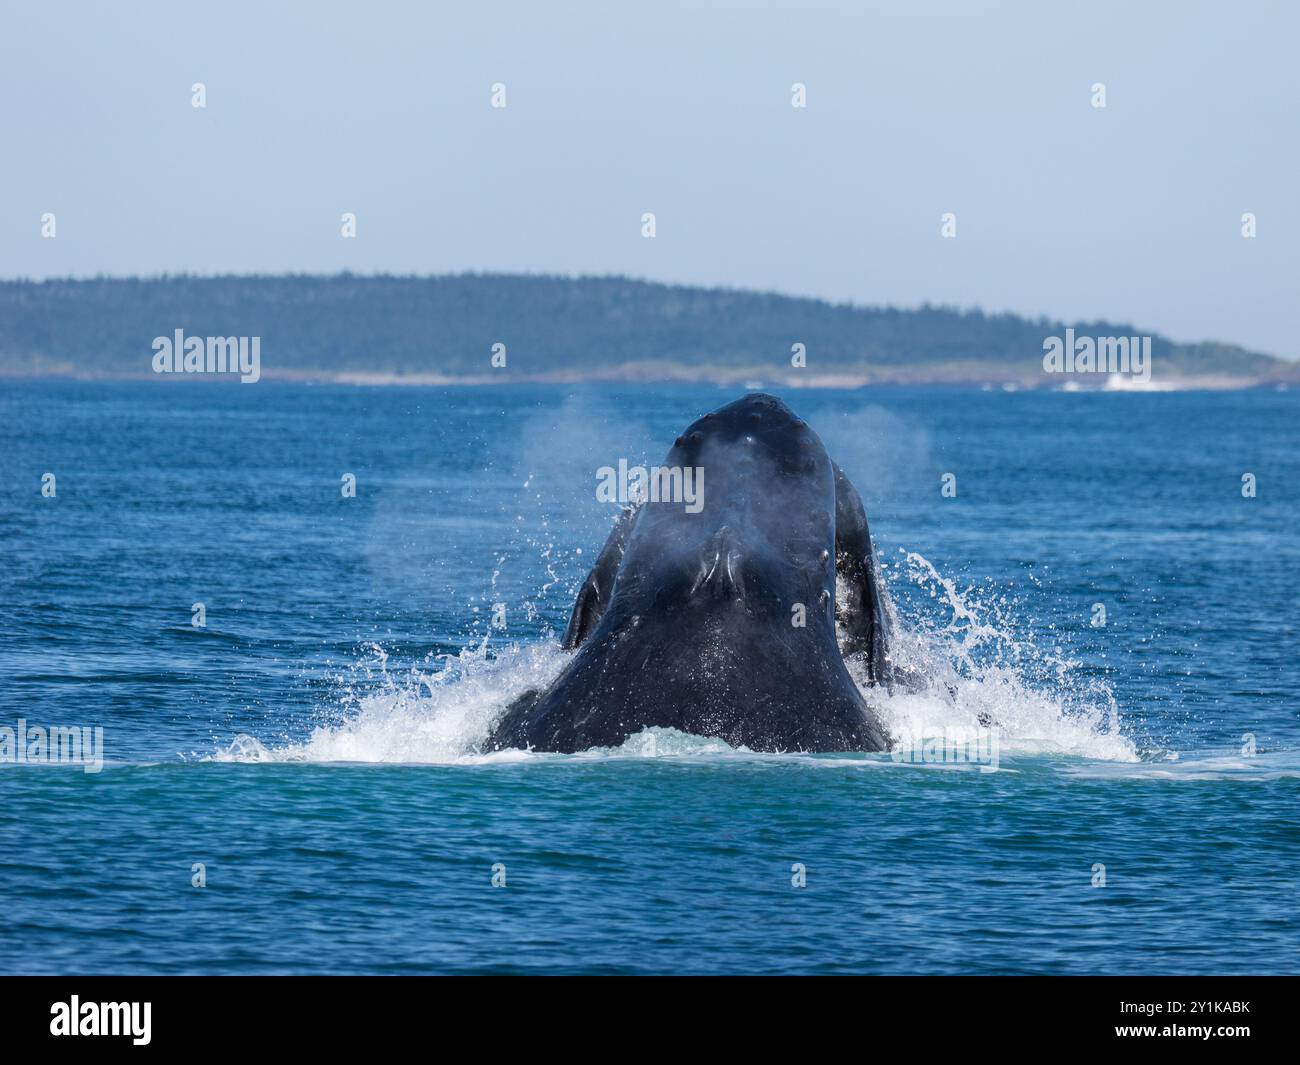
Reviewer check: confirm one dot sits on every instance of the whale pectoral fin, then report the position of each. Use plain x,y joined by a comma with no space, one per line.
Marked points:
861,613
594,594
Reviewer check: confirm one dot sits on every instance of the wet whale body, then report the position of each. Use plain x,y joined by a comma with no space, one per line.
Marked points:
723,619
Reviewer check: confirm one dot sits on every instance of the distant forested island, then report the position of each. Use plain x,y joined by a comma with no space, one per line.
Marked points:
472,328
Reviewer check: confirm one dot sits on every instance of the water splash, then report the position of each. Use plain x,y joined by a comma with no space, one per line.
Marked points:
439,712
981,671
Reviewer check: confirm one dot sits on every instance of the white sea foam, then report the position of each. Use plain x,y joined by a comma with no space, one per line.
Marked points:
983,671
981,674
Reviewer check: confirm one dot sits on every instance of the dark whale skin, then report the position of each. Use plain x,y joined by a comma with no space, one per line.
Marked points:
687,620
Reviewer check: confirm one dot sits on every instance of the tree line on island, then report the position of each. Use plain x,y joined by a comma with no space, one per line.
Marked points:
585,326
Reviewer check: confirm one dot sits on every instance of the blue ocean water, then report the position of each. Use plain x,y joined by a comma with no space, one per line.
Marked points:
313,744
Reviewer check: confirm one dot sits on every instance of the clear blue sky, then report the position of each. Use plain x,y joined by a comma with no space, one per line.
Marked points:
1131,213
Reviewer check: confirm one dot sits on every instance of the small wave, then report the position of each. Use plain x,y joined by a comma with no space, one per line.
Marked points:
1203,765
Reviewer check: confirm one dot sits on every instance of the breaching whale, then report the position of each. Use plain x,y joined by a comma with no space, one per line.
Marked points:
725,621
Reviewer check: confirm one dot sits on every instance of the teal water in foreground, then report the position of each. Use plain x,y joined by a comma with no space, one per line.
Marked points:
314,744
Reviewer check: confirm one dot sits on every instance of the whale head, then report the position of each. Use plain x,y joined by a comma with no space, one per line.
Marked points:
716,617
762,535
